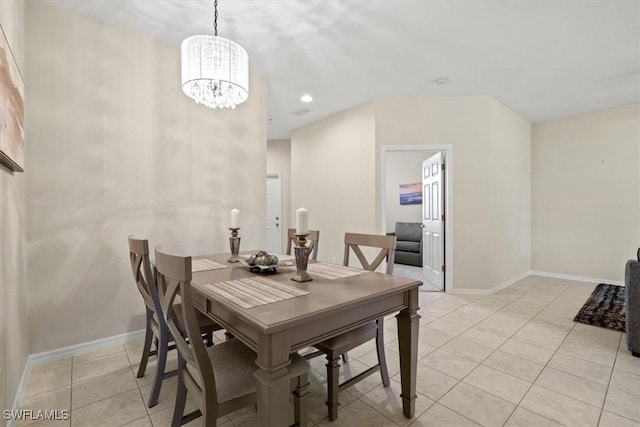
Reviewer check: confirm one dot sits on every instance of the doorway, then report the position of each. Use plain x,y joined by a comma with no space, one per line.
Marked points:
405,163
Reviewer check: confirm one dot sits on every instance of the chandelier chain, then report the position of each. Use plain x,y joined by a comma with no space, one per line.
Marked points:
215,18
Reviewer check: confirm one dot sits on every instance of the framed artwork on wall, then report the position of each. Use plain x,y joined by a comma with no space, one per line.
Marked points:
11,109
411,194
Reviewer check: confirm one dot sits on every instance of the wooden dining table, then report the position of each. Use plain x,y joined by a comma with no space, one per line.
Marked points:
328,307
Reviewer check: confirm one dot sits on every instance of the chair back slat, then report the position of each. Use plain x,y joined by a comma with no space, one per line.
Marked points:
174,277
172,317
354,242
312,241
143,275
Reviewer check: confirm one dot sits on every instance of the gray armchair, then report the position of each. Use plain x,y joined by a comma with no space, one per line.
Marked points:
409,243
632,304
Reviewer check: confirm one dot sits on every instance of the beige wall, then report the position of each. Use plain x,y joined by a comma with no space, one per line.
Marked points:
510,194
402,167
491,172
333,176
463,123
279,161
114,149
14,321
490,152
586,201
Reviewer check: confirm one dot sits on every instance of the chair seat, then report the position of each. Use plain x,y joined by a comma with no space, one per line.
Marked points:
408,246
349,340
233,366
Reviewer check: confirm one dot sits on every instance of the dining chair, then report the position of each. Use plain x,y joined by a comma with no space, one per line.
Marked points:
156,329
334,347
220,379
313,239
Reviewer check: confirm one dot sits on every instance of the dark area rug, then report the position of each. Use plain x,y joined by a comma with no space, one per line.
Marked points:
604,308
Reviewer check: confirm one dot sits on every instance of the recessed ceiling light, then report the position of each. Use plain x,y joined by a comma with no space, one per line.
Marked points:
442,80
306,98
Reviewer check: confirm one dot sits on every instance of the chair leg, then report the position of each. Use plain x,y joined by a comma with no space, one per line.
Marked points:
300,400
148,338
181,396
382,360
345,358
209,338
333,386
209,411
159,376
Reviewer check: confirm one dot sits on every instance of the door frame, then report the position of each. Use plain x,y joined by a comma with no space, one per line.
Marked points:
447,152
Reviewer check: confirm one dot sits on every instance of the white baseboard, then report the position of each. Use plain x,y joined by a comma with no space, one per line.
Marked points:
496,288
533,273
47,356
576,278
85,347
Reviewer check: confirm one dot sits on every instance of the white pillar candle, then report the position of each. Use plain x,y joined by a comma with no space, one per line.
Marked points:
235,216
302,221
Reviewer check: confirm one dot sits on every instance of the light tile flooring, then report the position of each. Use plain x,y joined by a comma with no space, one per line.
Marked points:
414,272
514,358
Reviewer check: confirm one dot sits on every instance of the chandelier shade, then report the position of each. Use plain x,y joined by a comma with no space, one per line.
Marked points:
215,71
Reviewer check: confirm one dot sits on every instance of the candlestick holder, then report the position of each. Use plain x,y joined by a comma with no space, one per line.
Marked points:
301,252
234,245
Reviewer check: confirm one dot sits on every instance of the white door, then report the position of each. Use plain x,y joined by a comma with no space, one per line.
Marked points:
433,220
274,213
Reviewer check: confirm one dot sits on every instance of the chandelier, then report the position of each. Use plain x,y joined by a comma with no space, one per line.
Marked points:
215,70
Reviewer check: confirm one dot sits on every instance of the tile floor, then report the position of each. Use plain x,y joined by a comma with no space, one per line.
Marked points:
414,272
514,358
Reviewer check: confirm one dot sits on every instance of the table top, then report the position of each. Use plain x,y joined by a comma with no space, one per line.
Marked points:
325,295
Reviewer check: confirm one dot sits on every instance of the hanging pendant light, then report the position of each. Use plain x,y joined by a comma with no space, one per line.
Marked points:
215,70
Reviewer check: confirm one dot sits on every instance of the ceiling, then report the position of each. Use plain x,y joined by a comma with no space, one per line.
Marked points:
543,59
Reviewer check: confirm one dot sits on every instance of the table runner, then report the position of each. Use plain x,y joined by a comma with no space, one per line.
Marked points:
205,264
255,291
332,271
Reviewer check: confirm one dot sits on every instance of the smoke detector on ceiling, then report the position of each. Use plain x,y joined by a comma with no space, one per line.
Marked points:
300,112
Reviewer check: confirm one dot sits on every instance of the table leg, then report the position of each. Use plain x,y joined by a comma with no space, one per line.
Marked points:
273,389
408,324
273,385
